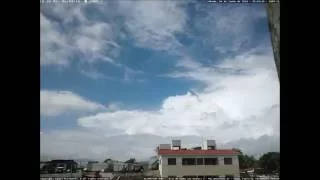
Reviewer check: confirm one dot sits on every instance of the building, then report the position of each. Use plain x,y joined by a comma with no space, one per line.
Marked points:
97,166
201,162
60,166
117,166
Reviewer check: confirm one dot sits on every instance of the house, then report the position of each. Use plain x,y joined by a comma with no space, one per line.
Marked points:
201,162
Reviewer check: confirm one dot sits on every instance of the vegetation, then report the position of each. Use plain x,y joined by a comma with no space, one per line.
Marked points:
270,161
132,161
107,160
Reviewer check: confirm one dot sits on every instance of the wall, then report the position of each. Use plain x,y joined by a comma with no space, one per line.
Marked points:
273,10
205,170
161,163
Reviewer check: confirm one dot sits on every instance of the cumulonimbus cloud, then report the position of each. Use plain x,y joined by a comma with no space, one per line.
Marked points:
245,100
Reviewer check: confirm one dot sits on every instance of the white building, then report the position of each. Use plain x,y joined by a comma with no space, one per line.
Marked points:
201,162
97,166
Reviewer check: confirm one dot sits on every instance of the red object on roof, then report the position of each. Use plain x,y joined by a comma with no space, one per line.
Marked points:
197,152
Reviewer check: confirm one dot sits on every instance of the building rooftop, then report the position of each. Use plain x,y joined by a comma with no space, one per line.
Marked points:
197,152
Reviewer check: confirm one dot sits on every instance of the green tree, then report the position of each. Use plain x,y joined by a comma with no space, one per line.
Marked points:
270,161
246,161
155,165
131,160
110,165
107,160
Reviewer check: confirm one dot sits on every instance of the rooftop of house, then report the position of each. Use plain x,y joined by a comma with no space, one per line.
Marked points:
197,152
208,148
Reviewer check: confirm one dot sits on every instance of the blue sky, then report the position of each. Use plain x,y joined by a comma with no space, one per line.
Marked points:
151,67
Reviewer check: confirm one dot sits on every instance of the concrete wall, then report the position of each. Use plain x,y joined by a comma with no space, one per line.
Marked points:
180,170
273,11
160,163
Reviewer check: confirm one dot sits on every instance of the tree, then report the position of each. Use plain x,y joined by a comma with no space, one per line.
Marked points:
110,165
270,161
155,165
107,160
245,161
131,160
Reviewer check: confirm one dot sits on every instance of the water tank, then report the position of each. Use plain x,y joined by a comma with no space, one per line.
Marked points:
176,143
211,143
164,146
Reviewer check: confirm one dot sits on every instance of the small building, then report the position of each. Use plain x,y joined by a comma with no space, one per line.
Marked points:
97,166
204,162
60,166
118,166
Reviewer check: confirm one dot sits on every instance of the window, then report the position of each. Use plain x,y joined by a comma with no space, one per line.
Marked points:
211,177
228,161
188,161
172,177
229,177
211,161
190,177
199,161
171,161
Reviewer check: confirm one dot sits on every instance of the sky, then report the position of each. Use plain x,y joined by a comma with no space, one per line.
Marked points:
120,77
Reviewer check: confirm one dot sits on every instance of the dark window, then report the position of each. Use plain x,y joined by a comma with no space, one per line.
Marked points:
171,161
190,177
172,177
188,161
229,177
228,161
211,177
199,161
211,161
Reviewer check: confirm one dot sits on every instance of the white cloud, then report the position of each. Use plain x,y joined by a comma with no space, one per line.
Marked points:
95,38
94,74
130,75
227,27
54,103
54,48
67,32
238,110
153,24
62,39
241,100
